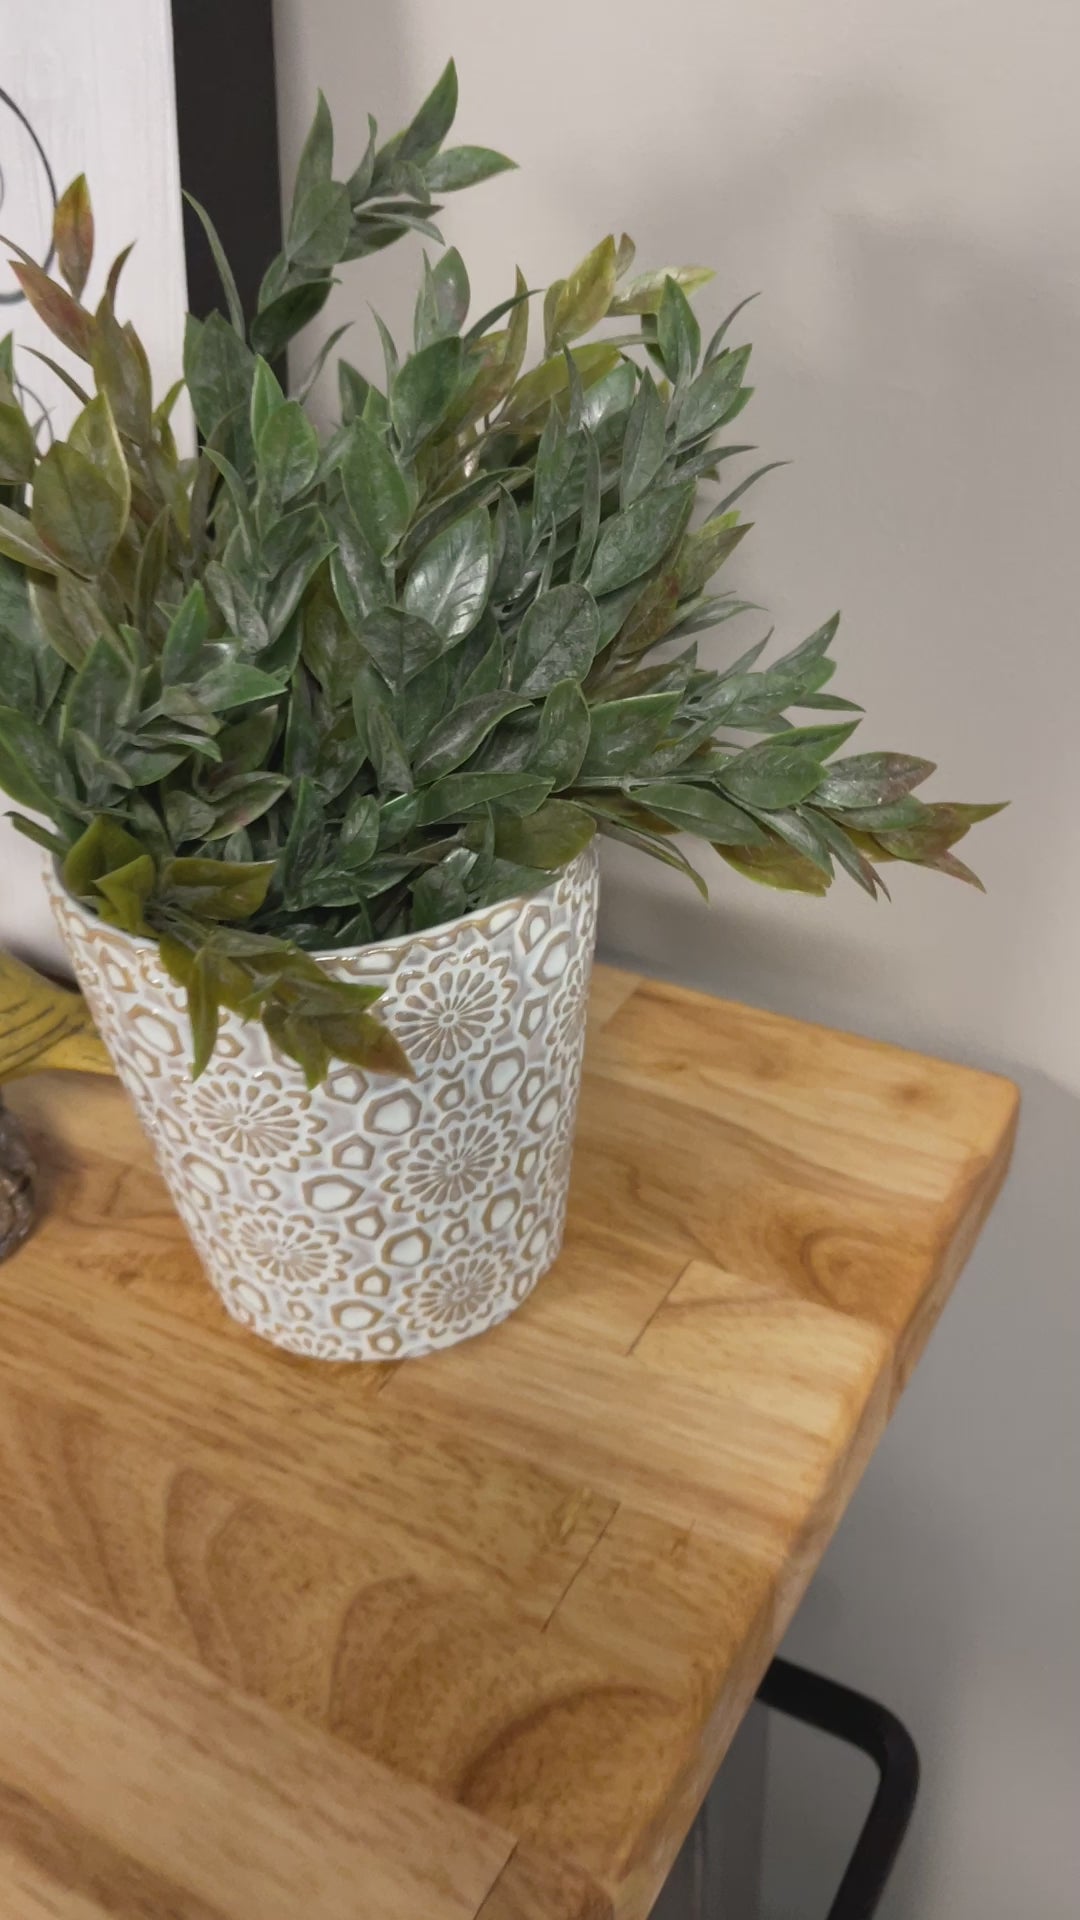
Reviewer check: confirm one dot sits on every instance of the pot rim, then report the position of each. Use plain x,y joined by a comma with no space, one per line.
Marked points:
141,942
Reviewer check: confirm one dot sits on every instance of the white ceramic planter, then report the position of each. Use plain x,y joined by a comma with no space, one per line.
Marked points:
370,1219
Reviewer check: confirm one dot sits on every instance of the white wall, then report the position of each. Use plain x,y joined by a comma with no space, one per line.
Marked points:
902,180
96,84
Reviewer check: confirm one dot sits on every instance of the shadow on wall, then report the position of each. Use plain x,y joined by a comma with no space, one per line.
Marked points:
950,1588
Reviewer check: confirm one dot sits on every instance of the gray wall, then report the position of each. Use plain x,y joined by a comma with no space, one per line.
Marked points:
901,180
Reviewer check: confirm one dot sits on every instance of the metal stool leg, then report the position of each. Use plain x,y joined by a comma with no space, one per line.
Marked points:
851,1717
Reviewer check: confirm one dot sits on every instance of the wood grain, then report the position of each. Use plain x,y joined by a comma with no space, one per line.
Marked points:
469,1635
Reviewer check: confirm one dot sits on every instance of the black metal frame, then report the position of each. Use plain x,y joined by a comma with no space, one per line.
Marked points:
859,1722
226,115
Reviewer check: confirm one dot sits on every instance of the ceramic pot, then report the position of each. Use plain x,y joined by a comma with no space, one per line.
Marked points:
370,1219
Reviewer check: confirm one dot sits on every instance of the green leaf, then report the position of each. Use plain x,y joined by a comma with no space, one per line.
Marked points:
377,733
776,866
488,319
872,779
387,752
482,489
18,448
73,234
837,843
316,163
424,390
400,644
699,810
240,801
150,570
105,847
328,648
356,573
375,489
616,827
703,553
233,683
678,335
429,127
643,445
945,823
709,399
423,703
464,167
30,767
458,735
448,582
358,835
772,775
621,731
126,891
70,323
41,836
287,451
632,542
589,521
225,272
76,513
32,671
276,324
97,696
556,640
94,435
242,616
122,370
202,1007
549,838
720,335
319,226
645,293
563,735
69,615
186,637
218,369
459,794
438,895
306,842
801,828
547,382
444,299
353,391
584,297
19,542
216,889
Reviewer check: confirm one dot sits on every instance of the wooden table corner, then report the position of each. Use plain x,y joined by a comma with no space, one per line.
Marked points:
463,1638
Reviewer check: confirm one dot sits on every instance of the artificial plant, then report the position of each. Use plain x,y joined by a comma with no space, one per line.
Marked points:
304,691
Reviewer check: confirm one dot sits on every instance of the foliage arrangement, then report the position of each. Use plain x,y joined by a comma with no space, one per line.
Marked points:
302,692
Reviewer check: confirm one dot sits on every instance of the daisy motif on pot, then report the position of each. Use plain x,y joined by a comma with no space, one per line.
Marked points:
447,1167
253,1118
454,1008
457,1298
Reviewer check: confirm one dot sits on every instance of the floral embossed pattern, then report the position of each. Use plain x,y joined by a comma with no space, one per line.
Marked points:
371,1219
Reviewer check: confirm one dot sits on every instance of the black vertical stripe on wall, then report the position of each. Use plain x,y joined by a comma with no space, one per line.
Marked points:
226,111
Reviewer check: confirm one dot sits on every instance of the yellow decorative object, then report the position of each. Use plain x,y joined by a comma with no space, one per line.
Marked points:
44,1025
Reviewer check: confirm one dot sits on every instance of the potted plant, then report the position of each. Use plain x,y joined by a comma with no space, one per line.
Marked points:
326,726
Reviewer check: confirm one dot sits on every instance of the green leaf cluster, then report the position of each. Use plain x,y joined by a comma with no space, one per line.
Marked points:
308,690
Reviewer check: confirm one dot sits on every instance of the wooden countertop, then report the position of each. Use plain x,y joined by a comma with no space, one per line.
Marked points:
464,1636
